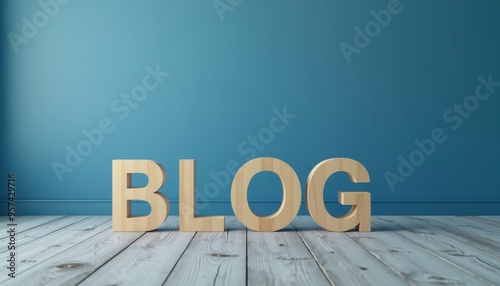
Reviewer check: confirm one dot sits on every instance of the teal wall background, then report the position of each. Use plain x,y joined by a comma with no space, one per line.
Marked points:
224,70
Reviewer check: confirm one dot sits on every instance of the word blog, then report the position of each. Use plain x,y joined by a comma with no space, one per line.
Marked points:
123,194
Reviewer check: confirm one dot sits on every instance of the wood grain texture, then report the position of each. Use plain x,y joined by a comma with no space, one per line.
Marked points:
471,240
490,233
187,202
213,258
39,251
124,193
281,258
457,233
470,259
492,218
399,251
339,255
24,237
483,221
147,261
415,264
359,215
291,194
25,223
76,263
26,218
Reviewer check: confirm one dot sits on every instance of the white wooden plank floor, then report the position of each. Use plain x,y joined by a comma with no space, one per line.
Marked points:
426,250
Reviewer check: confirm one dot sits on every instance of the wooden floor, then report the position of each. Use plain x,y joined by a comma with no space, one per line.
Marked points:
75,250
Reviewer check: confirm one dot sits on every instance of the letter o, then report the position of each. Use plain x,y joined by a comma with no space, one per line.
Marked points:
291,194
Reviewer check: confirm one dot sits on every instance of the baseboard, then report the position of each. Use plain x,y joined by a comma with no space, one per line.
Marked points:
223,207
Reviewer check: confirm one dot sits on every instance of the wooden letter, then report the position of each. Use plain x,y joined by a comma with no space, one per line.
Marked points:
360,212
291,195
123,194
187,201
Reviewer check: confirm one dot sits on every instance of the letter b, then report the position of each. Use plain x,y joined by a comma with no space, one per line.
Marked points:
124,193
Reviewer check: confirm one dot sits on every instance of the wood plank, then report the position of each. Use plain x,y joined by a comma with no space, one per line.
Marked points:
281,258
25,237
40,250
470,259
342,259
76,263
492,217
472,227
464,225
18,219
418,266
399,251
477,235
213,258
466,238
483,221
29,222
147,261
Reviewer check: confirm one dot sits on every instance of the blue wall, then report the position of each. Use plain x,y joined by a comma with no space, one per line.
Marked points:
353,82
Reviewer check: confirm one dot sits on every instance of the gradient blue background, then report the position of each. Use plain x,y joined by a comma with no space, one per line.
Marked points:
226,77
